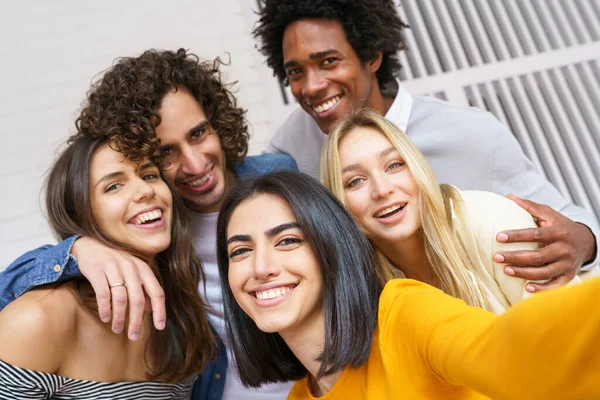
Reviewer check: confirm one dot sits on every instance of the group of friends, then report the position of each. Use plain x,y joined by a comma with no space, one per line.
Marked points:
335,265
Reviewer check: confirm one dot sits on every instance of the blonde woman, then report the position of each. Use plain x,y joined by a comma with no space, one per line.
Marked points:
422,230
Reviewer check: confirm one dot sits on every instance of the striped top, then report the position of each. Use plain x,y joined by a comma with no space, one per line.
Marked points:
19,383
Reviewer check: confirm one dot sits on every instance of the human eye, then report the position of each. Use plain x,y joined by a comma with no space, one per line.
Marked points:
329,61
354,182
151,176
166,151
289,241
239,252
395,165
293,73
112,187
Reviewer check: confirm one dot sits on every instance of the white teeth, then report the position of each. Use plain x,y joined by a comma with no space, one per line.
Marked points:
272,293
148,216
201,181
388,210
327,105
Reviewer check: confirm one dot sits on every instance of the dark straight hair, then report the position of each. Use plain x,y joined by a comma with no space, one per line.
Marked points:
350,286
187,343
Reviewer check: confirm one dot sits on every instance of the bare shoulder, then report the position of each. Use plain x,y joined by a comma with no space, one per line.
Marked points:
36,329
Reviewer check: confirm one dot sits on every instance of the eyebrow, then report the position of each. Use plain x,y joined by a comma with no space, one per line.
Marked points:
312,56
384,153
269,233
109,177
147,165
112,175
199,127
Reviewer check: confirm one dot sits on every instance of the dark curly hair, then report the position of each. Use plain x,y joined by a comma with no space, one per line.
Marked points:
370,26
123,105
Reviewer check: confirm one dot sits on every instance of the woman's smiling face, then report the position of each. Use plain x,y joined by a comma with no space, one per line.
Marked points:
379,188
273,272
130,202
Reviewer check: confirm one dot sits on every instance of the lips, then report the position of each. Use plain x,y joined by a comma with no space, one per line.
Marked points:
273,293
389,211
326,105
201,184
147,215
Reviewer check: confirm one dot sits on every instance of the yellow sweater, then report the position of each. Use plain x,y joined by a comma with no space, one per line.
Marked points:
432,346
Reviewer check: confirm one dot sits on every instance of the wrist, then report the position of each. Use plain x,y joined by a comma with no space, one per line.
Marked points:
76,246
590,243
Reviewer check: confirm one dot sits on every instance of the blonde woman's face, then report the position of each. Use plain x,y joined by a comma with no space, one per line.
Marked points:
379,189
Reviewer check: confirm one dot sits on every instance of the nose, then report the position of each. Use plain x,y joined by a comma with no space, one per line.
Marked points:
382,186
143,190
194,163
314,84
265,267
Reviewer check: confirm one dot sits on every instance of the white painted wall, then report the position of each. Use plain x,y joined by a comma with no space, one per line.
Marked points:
51,50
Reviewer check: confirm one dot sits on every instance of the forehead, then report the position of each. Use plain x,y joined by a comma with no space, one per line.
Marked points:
106,160
258,214
362,143
179,112
307,36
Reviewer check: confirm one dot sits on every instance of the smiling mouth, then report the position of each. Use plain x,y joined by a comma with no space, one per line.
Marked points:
148,217
273,293
200,181
388,212
319,108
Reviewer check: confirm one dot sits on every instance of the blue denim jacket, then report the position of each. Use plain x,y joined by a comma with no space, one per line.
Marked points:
52,264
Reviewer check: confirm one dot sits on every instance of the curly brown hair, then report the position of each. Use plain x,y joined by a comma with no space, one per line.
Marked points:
123,105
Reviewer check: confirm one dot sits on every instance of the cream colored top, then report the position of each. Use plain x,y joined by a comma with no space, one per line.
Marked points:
487,214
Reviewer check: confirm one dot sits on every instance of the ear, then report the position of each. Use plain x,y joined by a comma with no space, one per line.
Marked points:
375,63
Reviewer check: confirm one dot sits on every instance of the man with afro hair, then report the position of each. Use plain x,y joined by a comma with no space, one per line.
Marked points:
339,56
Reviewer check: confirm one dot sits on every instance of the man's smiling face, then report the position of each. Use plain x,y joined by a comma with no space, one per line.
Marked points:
194,155
325,74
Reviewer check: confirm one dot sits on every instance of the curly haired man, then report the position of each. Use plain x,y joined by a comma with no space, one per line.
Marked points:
339,56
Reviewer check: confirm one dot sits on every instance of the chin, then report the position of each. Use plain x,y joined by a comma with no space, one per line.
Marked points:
273,326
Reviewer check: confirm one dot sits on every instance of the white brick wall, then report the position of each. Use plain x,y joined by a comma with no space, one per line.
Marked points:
51,50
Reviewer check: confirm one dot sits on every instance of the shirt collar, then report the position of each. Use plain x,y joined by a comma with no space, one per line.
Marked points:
399,112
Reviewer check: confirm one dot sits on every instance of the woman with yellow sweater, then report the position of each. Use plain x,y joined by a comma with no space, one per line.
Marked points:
304,303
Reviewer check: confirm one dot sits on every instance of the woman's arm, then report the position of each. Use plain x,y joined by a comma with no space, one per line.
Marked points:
542,348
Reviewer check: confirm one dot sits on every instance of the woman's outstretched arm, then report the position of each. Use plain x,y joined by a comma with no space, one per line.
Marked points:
542,348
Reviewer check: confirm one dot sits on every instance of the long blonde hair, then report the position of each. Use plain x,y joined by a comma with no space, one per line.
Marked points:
450,247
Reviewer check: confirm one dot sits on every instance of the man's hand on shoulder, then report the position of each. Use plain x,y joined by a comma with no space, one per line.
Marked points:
566,246
119,278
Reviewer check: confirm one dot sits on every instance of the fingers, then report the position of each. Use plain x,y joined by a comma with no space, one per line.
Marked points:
135,293
540,234
547,272
524,258
104,266
118,297
540,212
103,296
554,283
156,295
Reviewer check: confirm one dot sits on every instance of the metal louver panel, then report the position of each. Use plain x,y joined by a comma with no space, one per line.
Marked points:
535,64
